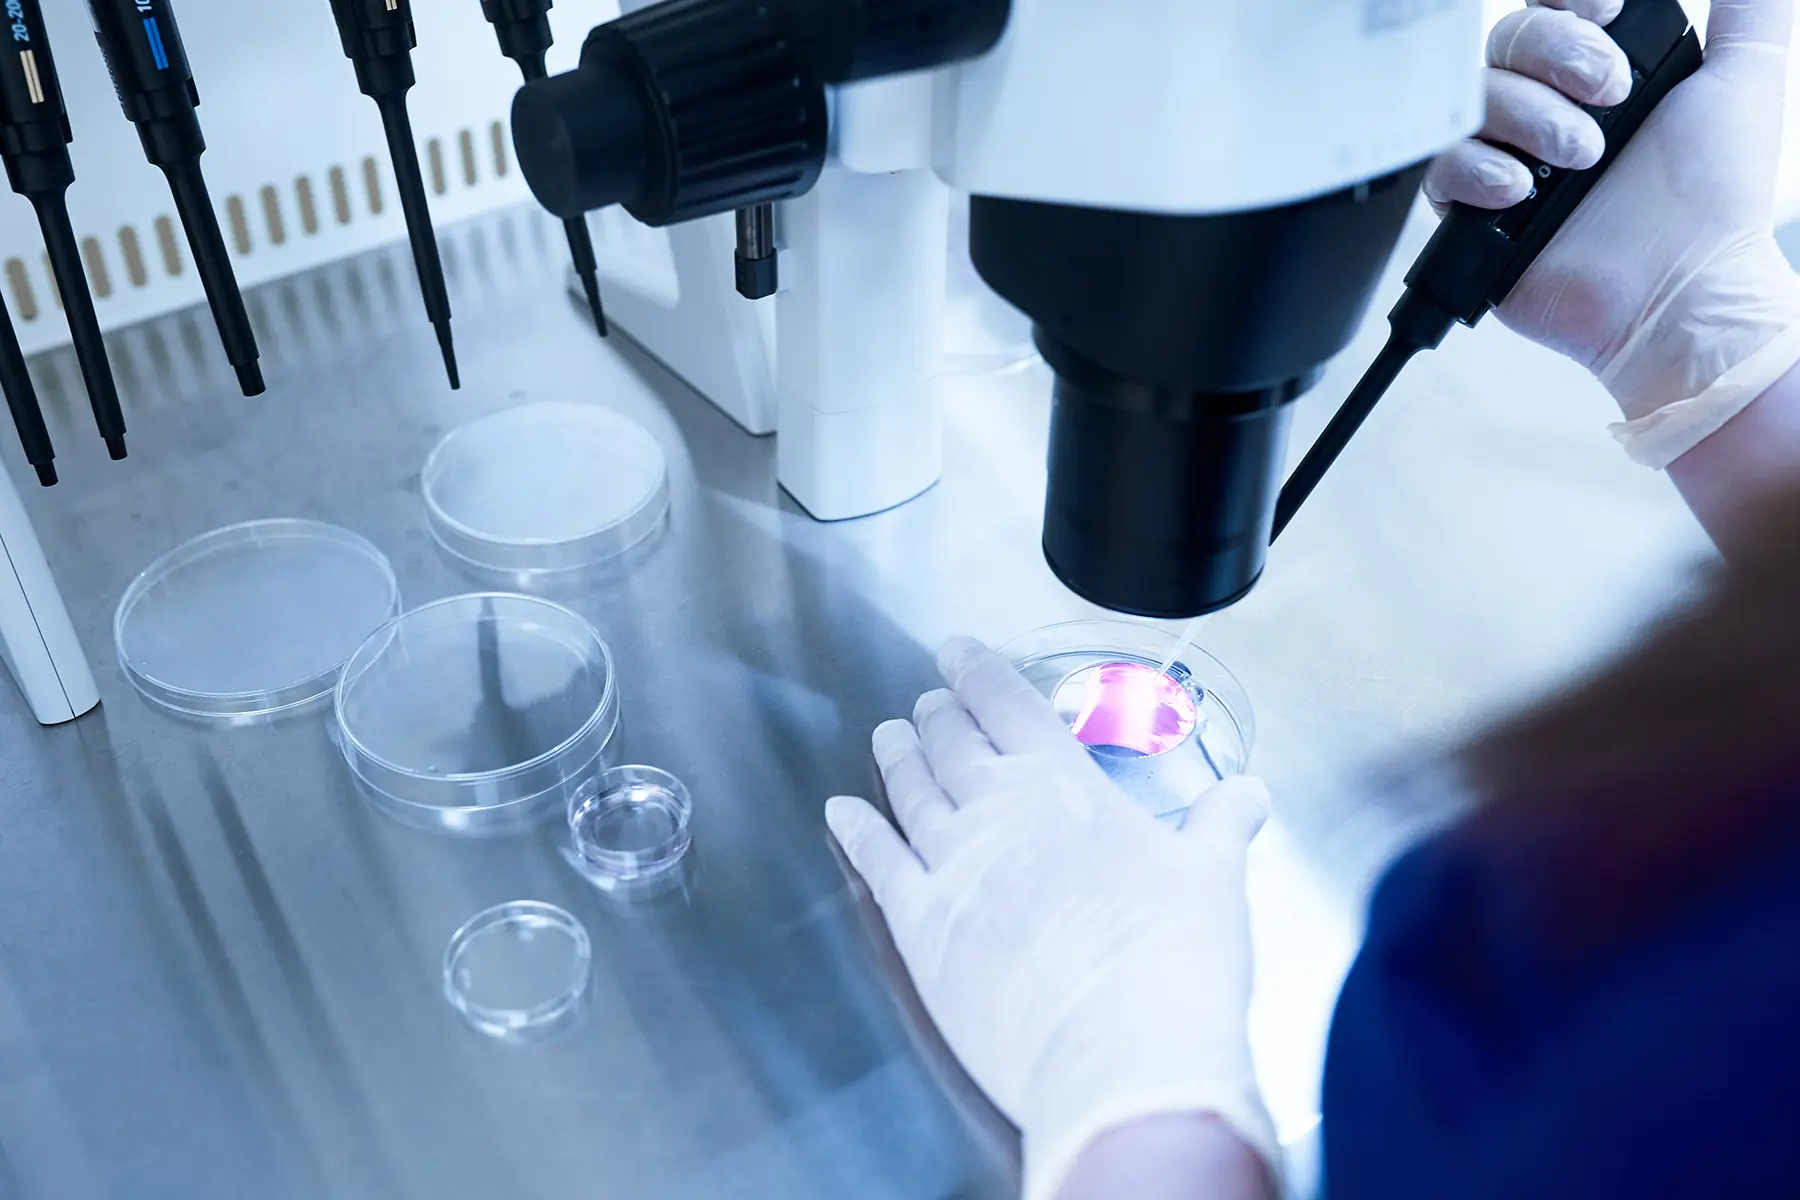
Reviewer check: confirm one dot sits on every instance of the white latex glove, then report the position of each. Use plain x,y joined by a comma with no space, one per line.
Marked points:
1667,283
1087,964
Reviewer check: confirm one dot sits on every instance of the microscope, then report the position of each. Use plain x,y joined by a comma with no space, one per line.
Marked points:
1192,200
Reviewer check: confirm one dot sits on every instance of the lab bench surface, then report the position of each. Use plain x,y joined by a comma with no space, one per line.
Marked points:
220,969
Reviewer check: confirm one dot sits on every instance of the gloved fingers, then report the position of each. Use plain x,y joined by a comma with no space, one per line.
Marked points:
1600,12
1567,52
958,752
1227,816
920,804
1478,174
1015,718
1539,120
884,861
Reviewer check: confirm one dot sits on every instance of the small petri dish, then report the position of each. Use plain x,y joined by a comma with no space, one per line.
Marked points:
518,971
631,822
544,488
252,619
1165,737
477,713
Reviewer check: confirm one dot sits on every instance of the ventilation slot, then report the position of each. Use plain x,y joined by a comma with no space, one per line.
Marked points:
171,249
465,148
95,259
240,224
133,254
372,184
18,281
340,195
271,206
434,152
309,211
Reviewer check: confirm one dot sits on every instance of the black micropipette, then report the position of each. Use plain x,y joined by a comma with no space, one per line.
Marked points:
149,66
21,398
1477,256
378,38
34,141
523,28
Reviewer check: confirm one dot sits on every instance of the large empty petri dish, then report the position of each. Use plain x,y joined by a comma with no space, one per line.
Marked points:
253,618
631,822
518,971
545,487
1165,737
477,713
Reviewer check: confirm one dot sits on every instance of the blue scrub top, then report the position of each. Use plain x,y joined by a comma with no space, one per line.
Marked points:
1472,1056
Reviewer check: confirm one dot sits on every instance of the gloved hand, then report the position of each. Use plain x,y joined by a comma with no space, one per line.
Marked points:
1666,283
1087,964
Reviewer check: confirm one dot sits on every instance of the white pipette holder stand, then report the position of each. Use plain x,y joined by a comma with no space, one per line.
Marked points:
37,639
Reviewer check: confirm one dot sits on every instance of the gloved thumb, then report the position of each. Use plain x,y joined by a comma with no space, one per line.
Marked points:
1228,815
1756,31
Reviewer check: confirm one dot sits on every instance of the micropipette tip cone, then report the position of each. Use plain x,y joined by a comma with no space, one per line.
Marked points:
115,447
250,379
591,285
444,344
46,473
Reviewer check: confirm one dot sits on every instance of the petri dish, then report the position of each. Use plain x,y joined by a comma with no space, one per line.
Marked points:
631,822
518,971
252,619
477,713
545,487
1165,737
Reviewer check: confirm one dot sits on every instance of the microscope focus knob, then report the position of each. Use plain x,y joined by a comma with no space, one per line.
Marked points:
681,110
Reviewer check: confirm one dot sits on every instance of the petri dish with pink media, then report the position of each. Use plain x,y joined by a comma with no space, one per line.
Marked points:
1163,736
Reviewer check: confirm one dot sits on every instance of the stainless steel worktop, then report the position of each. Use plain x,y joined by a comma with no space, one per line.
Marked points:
219,969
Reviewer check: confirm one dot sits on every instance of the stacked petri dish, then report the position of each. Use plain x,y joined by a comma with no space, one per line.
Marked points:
631,823
1163,736
478,713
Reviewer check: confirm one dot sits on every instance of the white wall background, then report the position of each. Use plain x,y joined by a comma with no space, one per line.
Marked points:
285,124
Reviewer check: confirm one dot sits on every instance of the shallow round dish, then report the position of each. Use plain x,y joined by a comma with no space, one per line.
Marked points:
631,822
545,487
477,713
518,971
1165,738
252,619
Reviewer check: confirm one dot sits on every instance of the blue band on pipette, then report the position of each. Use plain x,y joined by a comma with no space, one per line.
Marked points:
156,44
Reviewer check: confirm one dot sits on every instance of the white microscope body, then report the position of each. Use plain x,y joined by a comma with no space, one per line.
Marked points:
1177,106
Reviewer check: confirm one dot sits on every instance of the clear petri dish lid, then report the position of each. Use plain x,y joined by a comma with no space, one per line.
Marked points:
252,619
518,971
1164,737
477,713
545,487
